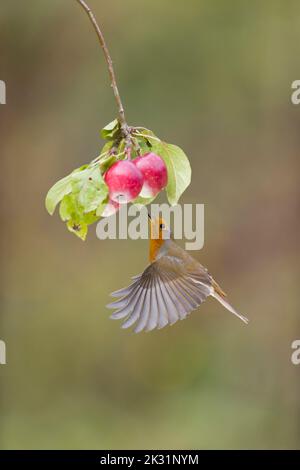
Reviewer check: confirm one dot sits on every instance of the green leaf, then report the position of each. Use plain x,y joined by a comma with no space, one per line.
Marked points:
90,187
81,168
107,147
146,139
66,207
179,170
71,211
101,207
79,179
93,189
107,162
110,131
79,224
57,192
90,197
60,189
145,147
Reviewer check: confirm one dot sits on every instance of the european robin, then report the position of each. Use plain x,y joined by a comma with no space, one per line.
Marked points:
172,286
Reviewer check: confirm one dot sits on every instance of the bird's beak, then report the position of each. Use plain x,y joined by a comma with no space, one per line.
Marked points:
149,216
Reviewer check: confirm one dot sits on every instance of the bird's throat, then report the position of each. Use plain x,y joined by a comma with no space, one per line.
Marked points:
155,248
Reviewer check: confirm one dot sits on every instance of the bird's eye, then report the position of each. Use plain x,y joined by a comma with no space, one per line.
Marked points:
162,226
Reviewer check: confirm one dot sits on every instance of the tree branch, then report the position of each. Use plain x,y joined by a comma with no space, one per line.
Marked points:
123,123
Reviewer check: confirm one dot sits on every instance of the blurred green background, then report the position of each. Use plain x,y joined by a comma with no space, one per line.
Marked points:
215,78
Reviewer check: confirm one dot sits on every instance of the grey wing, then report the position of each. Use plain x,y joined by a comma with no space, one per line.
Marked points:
164,293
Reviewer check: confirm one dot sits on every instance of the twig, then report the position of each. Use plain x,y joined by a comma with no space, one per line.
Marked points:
136,146
114,86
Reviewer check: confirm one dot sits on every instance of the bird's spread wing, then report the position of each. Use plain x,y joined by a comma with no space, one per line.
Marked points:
165,292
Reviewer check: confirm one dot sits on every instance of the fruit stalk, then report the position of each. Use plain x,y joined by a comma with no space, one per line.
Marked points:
123,123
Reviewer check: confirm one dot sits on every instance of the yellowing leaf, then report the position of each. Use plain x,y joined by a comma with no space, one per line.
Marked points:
80,229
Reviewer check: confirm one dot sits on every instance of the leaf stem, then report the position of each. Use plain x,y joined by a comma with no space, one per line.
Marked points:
138,134
124,126
100,157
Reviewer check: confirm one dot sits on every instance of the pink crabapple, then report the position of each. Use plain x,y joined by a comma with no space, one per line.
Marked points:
111,208
124,181
155,174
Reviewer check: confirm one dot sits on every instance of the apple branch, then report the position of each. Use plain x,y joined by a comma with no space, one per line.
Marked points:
123,123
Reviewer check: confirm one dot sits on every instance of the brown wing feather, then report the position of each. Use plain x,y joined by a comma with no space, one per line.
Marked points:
165,292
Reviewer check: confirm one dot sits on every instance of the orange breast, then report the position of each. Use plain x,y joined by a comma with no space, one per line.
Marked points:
155,245
156,237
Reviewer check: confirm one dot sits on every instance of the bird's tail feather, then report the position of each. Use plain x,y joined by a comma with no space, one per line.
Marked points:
229,307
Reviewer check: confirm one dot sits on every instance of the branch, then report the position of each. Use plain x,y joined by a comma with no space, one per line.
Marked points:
124,126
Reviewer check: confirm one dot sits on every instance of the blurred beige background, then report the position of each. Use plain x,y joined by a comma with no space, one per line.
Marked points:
215,78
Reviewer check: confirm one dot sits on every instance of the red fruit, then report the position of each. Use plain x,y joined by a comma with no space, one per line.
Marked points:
124,181
111,208
155,173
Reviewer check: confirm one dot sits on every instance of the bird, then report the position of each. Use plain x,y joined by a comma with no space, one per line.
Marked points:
172,286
